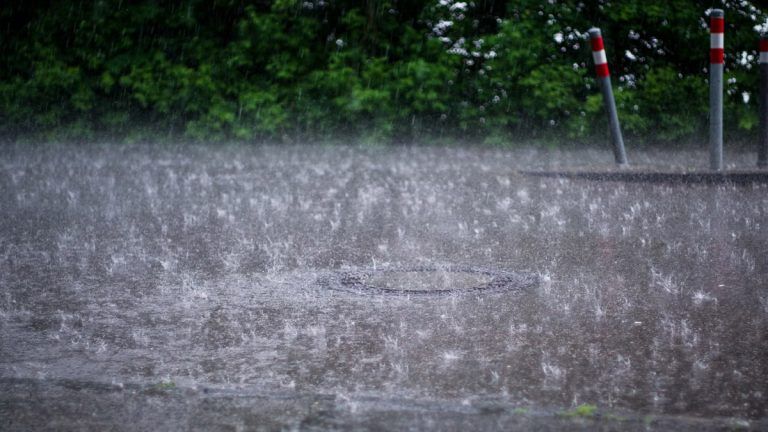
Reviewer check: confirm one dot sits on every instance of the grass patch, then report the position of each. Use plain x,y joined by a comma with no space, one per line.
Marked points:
165,385
161,388
581,411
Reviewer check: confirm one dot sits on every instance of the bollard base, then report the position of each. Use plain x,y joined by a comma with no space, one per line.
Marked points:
649,174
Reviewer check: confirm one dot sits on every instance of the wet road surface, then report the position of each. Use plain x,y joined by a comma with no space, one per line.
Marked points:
163,287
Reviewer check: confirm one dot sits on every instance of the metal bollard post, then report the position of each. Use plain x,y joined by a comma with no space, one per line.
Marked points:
716,59
604,77
762,149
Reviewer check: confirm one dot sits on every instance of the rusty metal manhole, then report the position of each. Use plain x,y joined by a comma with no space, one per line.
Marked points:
424,280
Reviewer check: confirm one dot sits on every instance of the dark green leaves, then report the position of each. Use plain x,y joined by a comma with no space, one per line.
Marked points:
381,69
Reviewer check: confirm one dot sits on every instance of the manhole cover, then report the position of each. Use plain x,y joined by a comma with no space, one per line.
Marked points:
426,280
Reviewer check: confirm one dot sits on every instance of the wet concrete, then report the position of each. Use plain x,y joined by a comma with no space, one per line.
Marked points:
182,283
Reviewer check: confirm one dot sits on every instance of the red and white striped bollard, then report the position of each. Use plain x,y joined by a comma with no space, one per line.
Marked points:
604,77
762,149
716,60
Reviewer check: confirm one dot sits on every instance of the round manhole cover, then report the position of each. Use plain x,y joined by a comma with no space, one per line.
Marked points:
426,280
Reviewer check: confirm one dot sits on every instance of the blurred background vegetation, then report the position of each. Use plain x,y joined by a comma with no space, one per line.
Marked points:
370,70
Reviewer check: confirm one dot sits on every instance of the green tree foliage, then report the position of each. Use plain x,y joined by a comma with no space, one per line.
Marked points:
377,69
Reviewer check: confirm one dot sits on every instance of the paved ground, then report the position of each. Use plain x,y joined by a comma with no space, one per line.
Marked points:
156,287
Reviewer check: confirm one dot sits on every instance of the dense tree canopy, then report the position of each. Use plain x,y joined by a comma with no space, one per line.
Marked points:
376,69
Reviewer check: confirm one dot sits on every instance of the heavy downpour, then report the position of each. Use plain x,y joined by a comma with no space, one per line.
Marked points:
383,215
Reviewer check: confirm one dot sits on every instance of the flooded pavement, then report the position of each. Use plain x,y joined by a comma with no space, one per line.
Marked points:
162,287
